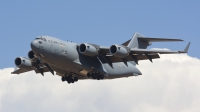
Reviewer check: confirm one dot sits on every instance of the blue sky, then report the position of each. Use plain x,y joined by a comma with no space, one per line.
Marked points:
99,22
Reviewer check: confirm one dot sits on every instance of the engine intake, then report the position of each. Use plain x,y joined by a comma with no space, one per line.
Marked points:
31,55
88,50
119,51
22,62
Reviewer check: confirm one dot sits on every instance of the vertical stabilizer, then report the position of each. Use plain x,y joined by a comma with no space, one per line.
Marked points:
136,43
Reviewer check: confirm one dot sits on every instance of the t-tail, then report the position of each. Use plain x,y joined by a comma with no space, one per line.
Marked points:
140,42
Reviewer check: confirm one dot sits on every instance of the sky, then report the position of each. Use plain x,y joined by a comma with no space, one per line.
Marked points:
174,86
99,22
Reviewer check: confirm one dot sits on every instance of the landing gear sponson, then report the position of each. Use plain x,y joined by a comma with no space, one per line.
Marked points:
72,79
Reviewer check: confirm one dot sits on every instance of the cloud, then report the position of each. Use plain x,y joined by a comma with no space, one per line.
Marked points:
170,84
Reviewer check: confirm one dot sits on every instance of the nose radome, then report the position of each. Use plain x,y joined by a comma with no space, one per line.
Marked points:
34,44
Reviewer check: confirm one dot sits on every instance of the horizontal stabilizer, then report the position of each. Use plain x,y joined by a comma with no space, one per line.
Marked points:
158,39
139,41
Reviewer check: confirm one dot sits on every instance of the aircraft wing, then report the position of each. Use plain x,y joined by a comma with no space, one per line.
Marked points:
112,59
106,57
105,50
146,51
43,69
21,70
136,54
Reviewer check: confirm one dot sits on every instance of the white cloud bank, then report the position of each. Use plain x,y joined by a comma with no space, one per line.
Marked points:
170,84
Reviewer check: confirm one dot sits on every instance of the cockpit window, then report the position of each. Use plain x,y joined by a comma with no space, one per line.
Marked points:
37,38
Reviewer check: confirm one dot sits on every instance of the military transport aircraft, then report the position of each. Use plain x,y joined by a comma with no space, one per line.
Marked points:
73,61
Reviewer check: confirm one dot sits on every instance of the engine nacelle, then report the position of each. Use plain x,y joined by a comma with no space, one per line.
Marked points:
22,62
119,51
88,50
31,55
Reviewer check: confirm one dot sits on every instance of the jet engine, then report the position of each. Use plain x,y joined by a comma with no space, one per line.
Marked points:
33,59
88,49
31,55
22,62
119,51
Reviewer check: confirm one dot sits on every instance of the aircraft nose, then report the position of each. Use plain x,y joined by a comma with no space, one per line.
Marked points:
34,44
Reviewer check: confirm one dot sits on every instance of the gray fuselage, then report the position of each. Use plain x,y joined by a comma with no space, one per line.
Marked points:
64,57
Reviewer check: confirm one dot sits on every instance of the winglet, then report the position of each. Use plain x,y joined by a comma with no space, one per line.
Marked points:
187,47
